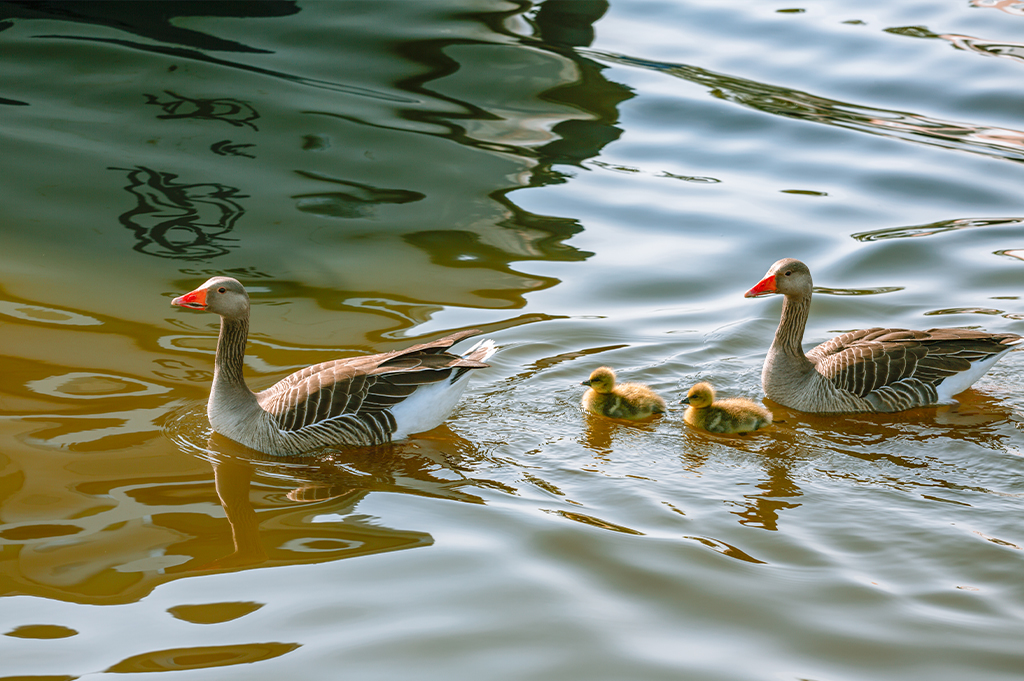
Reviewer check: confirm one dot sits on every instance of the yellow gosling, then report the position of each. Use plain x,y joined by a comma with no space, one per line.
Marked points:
734,415
632,401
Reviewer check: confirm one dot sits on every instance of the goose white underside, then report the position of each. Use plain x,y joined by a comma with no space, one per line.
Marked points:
956,384
430,405
427,408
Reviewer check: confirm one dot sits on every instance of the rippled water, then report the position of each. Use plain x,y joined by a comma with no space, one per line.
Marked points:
589,183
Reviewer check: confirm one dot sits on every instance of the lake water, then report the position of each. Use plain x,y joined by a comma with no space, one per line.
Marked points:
588,183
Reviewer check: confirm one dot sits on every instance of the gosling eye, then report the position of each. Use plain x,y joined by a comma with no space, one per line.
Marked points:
224,290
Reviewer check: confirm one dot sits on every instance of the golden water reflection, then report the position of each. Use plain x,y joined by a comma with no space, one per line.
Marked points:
201,657
166,515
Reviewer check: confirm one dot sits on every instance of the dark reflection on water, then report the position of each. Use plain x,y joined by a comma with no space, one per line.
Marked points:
195,55
203,219
988,48
934,228
41,631
587,519
357,201
561,25
857,291
229,148
153,20
178,220
226,110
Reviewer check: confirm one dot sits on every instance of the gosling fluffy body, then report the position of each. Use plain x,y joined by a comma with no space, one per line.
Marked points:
633,401
735,415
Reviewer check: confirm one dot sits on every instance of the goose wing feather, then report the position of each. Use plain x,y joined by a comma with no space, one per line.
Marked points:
866,361
362,387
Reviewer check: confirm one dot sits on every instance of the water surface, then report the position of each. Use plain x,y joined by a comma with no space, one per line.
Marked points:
586,182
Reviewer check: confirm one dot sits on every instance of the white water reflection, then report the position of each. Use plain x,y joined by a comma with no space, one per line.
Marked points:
45,315
91,385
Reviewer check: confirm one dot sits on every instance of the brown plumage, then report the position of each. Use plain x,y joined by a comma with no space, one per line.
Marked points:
354,401
872,370
631,401
735,415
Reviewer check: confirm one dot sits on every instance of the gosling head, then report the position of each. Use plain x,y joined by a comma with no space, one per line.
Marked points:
602,380
700,396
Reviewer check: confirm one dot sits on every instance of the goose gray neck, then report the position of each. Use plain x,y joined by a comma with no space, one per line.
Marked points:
227,368
787,373
789,336
230,397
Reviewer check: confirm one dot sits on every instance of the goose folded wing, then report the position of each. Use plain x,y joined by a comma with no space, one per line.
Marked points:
360,387
951,351
861,362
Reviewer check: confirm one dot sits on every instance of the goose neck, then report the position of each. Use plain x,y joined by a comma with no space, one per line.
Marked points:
231,352
790,334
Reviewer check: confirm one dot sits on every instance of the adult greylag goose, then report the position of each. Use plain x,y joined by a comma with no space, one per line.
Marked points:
362,400
631,401
872,370
734,415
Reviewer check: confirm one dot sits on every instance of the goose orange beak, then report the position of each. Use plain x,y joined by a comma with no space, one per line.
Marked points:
762,288
195,300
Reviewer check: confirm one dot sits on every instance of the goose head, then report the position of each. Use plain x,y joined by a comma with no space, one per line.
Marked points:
602,380
700,396
788,276
222,295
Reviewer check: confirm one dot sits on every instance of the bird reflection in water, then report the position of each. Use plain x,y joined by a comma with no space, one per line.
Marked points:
300,510
602,435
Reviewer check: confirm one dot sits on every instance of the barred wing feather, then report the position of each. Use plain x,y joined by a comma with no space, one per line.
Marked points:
863,362
361,388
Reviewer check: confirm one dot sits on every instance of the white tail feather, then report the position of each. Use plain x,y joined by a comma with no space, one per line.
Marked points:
486,345
960,382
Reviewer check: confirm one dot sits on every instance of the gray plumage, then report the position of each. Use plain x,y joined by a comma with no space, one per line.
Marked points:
360,400
871,370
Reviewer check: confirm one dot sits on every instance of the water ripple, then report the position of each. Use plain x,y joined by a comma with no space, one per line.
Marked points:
46,315
932,228
1003,143
856,291
91,385
185,53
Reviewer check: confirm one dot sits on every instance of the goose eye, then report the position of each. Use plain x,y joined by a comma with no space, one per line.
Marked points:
224,290
789,272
